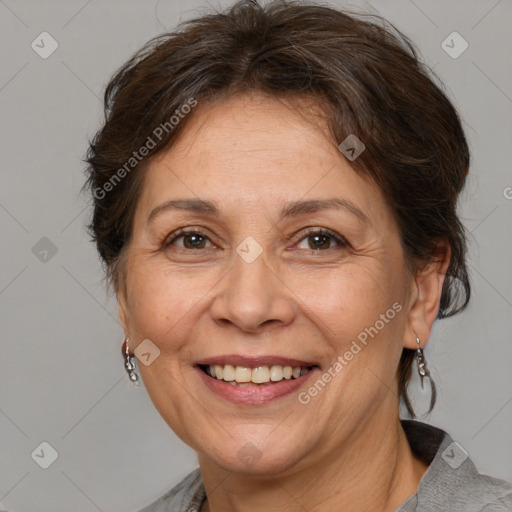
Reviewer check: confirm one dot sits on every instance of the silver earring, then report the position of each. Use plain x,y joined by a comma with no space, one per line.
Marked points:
129,364
424,372
422,365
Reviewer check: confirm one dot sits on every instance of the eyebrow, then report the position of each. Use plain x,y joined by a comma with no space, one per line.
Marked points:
288,210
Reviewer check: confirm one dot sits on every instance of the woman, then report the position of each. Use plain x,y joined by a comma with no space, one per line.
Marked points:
275,195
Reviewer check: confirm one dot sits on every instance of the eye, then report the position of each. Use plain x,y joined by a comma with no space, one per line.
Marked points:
190,239
316,240
321,240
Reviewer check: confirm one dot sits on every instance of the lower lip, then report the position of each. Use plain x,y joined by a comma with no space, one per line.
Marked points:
257,394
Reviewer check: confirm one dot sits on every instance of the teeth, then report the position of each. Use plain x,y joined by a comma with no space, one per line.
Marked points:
276,373
243,374
259,375
229,373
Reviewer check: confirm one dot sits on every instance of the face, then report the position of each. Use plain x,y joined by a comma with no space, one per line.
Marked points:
255,245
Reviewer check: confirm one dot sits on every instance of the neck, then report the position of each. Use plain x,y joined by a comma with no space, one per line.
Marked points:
374,470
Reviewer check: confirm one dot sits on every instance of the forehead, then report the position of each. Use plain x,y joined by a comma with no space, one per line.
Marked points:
248,151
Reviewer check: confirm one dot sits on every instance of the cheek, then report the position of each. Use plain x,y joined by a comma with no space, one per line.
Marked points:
359,311
344,301
162,302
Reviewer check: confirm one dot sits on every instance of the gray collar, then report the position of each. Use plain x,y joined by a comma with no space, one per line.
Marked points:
452,482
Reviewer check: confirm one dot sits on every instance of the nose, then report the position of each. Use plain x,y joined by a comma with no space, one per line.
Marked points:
252,296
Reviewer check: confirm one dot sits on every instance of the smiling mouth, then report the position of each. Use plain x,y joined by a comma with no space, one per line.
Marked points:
258,376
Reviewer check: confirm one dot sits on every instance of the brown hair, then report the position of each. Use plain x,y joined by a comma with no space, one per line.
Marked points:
364,74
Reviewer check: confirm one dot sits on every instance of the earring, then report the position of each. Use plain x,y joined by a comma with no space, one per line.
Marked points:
422,365
424,372
129,363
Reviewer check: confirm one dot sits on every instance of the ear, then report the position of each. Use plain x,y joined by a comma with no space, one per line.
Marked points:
425,298
123,311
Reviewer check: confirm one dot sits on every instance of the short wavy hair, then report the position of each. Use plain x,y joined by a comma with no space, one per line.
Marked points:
364,75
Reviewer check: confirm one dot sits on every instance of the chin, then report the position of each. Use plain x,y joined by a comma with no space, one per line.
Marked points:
247,458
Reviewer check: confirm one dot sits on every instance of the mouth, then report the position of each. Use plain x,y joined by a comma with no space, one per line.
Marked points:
262,375
255,384
254,381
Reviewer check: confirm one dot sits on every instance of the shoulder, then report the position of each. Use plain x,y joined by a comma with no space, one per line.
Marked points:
186,495
452,481
496,494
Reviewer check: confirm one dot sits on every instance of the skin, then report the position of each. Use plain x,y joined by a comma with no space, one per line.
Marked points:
345,449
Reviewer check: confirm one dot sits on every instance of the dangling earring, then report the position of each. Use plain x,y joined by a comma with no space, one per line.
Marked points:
422,365
424,372
129,363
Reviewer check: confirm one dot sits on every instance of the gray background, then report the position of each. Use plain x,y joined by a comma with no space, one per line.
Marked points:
62,378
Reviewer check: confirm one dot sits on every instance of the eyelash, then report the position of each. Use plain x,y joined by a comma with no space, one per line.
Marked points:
340,240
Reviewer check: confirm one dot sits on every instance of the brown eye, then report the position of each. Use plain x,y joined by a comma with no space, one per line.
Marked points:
321,240
194,241
188,240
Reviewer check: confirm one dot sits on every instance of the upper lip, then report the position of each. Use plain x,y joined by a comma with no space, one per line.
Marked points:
253,362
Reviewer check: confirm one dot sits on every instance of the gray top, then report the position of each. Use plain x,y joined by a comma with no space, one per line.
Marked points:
451,484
